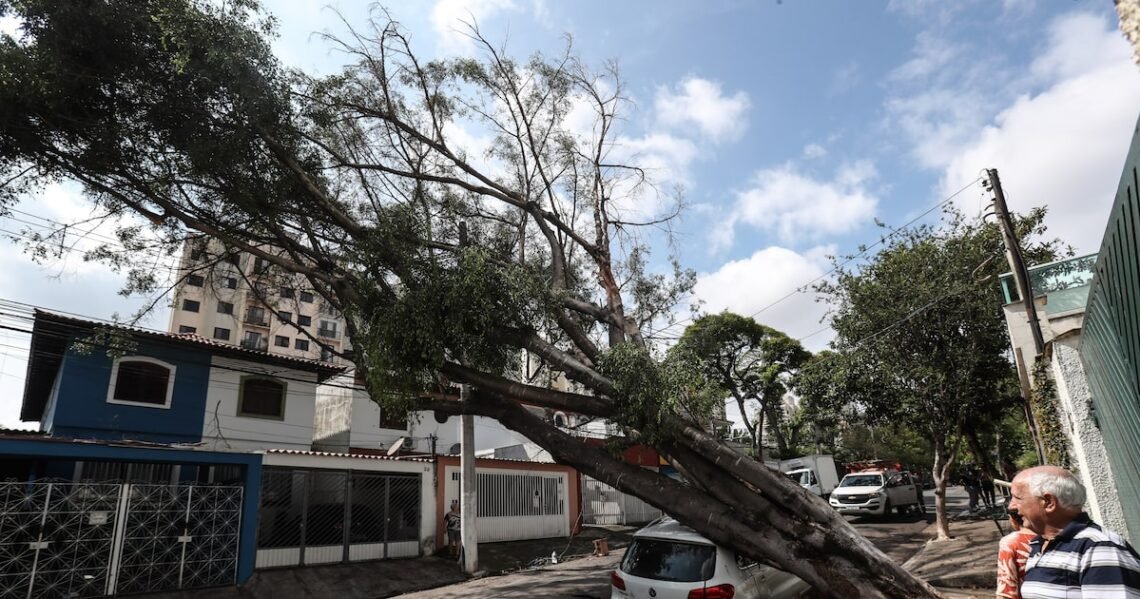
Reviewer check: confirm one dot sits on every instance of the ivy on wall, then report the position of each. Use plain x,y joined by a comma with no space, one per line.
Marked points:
1043,402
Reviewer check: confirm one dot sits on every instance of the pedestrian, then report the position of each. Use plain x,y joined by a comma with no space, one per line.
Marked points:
986,484
1013,551
1071,556
973,487
453,522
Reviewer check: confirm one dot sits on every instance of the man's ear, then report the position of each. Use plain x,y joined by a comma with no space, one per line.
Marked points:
1049,502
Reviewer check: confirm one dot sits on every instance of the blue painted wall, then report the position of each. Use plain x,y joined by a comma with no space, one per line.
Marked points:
79,408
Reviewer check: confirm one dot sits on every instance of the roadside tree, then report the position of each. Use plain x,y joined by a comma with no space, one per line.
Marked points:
177,113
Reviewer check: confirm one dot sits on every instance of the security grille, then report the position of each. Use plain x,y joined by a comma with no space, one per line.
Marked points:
603,504
72,540
327,516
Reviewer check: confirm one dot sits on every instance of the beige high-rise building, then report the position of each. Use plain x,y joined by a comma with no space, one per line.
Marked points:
237,298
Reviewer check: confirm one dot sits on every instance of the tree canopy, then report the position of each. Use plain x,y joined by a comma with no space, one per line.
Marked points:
447,266
920,335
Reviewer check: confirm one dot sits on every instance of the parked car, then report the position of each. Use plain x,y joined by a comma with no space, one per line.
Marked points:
668,560
875,492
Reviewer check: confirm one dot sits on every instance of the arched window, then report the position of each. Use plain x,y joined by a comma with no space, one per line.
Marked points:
262,397
141,381
559,419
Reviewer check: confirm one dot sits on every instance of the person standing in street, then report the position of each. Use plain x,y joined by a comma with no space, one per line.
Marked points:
453,522
1013,552
973,487
1071,556
986,488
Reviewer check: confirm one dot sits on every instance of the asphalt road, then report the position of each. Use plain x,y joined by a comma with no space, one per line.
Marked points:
900,537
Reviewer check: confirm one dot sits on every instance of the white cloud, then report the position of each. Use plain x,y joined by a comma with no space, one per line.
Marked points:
701,102
846,78
1063,147
756,284
449,19
814,151
931,53
796,205
666,160
938,122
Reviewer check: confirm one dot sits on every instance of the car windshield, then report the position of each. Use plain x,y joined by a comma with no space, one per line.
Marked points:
862,480
669,560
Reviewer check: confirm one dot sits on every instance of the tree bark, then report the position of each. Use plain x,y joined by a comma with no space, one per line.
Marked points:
941,473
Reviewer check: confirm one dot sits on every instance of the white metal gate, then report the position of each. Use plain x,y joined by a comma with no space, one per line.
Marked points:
71,540
603,504
514,505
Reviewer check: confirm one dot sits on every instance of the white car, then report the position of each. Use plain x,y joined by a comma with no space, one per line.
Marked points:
875,492
668,560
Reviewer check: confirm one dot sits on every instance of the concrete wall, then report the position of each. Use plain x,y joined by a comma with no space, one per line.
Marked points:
1079,420
346,417
223,428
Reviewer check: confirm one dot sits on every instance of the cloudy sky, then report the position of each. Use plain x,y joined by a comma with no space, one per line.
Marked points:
792,127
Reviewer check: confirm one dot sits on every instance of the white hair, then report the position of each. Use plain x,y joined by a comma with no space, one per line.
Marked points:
1069,491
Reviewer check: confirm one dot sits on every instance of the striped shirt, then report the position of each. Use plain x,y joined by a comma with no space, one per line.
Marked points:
1083,561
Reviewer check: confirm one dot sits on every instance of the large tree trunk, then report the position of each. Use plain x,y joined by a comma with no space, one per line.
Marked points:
981,456
941,473
734,501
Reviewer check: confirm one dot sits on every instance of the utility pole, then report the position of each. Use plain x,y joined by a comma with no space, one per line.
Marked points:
1016,264
1025,290
468,509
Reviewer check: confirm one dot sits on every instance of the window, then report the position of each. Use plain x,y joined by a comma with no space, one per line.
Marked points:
230,282
183,329
327,329
195,280
254,340
670,561
141,381
225,308
220,333
393,420
304,320
288,292
190,305
280,341
198,255
255,315
301,344
233,258
262,398
285,316
260,266
307,297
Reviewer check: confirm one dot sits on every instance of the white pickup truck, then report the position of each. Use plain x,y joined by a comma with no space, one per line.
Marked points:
875,492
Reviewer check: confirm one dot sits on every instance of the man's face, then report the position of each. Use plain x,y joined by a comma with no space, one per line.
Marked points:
1032,509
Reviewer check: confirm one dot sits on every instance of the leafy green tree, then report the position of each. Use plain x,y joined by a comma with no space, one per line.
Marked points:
175,116
920,337
751,362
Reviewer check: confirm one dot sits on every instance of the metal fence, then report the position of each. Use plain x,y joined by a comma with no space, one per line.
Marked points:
312,517
1110,339
603,504
71,540
516,505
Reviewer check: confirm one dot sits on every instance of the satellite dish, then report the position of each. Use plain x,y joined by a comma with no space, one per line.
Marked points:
440,417
396,446
454,449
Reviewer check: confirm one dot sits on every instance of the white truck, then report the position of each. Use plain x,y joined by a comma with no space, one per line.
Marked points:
816,473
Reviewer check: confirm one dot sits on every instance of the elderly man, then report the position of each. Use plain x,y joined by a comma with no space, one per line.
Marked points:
1071,556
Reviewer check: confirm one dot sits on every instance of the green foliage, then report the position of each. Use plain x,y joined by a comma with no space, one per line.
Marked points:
921,339
652,393
1043,401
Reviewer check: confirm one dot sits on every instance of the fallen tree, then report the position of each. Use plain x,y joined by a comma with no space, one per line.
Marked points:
447,266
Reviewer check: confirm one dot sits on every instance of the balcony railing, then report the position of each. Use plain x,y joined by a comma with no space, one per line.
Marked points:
259,344
327,333
1064,282
256,319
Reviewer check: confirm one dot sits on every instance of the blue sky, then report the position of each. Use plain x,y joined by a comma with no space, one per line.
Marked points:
792,126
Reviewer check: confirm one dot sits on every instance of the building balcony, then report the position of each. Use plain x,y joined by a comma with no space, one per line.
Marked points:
1064,283
259,344
256,319
327,333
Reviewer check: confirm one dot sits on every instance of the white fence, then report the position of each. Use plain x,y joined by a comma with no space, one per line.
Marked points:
603,504
516,505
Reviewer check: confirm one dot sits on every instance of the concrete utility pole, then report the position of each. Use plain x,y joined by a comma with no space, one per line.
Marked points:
1021,278
468,508
1016,264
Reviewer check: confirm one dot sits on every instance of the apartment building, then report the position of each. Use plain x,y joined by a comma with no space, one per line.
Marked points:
234,297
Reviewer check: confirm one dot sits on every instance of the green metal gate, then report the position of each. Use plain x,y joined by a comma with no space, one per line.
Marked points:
1110,339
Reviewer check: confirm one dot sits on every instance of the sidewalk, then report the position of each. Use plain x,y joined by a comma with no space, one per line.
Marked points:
967,562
